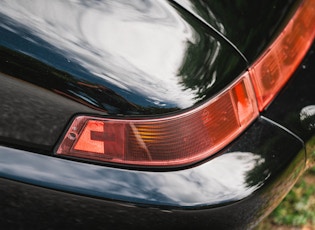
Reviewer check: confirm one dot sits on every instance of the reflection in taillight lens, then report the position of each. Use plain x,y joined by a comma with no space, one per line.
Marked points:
274,68
200,132
175,140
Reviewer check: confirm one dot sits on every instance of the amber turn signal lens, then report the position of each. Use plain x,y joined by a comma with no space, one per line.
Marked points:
170,141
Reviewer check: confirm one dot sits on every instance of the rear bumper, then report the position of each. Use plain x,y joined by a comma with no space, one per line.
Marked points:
233,190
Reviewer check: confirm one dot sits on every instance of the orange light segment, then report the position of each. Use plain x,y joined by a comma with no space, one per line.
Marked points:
275,67
175,140
244,101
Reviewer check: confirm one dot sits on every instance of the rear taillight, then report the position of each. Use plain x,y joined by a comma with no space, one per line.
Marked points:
175,140
201,132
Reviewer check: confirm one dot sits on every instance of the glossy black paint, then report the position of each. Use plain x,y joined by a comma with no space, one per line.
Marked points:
249,176
48,76
249,25
122,57
32,118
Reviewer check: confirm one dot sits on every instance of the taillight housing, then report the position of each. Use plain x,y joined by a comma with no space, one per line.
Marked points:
169,141
198,133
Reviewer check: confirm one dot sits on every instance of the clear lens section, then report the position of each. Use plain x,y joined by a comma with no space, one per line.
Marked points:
275,67
176,140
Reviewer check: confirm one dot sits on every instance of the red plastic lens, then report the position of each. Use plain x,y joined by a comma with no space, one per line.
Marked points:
275,67
175,140
99,137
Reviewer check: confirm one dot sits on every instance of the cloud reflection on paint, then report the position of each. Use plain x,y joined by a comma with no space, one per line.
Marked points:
222,179
125,56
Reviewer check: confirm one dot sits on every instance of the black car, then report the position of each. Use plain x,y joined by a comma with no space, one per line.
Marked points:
184,114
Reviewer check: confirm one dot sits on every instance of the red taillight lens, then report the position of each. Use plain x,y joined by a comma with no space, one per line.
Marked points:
201,132
175,140
275,67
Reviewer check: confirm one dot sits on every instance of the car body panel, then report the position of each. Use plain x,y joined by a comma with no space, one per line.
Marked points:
161,68
244,23
90,50
48,76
